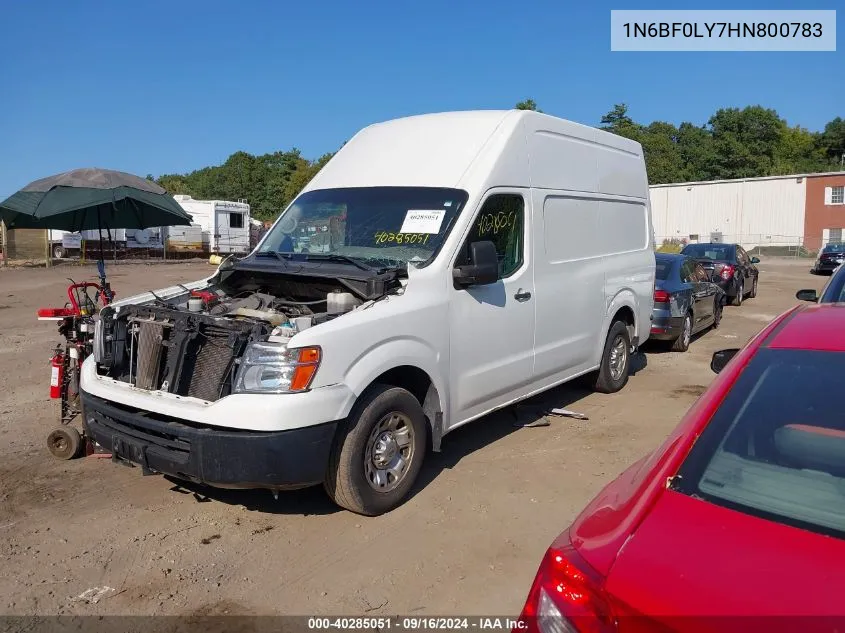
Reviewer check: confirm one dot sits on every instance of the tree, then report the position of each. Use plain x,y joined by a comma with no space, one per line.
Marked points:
798,152
832,141
618,121
662,152
528,104
746,141
735,143
303,174
695,146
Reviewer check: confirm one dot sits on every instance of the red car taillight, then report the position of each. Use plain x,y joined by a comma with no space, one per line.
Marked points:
661,296
567,597
726,271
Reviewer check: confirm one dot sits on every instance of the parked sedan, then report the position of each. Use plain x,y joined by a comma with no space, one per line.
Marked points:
736,520
829,259
686,301
732,268
833,291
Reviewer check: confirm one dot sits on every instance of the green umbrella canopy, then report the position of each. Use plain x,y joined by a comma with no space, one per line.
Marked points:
89,198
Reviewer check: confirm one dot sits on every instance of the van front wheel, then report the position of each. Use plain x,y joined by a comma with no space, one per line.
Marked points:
377,452
615,361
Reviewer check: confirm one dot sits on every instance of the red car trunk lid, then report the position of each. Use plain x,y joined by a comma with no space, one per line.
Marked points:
697,566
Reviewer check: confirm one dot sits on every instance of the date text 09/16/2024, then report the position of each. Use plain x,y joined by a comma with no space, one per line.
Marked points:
415,623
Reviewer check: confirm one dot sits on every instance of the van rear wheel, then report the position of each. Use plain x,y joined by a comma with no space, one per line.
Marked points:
377,452
615,361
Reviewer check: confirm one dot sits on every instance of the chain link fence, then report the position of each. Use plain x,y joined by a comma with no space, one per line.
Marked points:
34,247
756,244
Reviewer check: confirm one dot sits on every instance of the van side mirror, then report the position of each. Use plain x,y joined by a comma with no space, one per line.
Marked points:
755,260
722,358
483,266
807,295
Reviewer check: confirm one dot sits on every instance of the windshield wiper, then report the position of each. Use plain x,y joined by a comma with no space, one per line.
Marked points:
333,257
275,254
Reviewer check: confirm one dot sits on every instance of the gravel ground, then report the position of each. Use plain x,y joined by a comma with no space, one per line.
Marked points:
91,537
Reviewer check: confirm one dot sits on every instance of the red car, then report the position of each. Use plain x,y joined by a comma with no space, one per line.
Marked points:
736,523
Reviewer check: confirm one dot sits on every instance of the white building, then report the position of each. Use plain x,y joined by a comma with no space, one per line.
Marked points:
751,211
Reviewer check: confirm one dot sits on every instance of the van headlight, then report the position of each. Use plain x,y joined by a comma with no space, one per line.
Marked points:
273,368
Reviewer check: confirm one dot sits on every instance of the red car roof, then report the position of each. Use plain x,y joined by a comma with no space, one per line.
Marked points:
815,327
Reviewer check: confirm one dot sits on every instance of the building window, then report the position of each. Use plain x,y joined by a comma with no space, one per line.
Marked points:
837,195
835,236
236,220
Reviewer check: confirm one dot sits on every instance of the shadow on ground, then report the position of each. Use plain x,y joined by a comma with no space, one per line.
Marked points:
455,446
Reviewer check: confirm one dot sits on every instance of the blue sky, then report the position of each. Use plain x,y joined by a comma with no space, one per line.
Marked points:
161,86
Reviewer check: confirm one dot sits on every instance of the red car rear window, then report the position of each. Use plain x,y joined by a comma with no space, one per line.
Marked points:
776,446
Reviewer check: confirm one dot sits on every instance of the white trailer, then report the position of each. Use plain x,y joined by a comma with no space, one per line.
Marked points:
225,224
64,243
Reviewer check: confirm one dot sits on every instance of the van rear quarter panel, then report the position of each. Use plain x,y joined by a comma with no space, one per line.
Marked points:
591,205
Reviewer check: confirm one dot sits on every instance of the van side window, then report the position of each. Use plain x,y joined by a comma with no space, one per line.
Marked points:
501,221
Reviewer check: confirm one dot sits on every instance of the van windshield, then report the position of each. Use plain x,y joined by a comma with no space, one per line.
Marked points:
380,225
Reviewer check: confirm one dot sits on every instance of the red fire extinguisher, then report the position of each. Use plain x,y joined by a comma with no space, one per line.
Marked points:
57,367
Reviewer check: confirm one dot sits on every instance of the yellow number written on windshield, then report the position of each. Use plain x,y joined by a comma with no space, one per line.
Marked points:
385,237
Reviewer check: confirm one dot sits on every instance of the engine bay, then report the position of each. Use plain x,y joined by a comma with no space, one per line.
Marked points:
190,344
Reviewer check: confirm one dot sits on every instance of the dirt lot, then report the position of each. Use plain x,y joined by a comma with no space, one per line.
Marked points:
468,542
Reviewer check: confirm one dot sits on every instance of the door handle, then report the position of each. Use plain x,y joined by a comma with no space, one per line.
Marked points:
522,295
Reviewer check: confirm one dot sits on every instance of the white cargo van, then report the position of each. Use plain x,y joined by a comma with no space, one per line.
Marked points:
438,268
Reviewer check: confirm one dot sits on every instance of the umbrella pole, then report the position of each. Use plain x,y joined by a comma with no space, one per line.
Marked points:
101,264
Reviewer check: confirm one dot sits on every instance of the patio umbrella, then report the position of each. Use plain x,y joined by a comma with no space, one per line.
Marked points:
84,199
97,199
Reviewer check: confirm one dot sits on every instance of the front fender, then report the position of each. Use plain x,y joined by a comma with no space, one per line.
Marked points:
390,354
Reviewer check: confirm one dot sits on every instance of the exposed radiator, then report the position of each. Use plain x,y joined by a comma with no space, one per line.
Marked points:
212,363
150,348
186,354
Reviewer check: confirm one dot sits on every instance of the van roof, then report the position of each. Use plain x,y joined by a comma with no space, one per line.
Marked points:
463,149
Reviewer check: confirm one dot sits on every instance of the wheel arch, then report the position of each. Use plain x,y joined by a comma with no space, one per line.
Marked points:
412,366
623,307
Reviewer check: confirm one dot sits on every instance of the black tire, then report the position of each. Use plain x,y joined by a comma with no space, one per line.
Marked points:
350,470
59,252
64,442
717,312
681,344
740,294
753,292
605,382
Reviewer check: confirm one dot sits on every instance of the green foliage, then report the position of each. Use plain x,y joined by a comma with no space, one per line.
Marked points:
735,143
528,104
268,182
833,141
671,246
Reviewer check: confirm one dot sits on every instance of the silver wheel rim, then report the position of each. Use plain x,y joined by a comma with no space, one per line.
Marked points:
740,293
389,452
618,358
687,331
